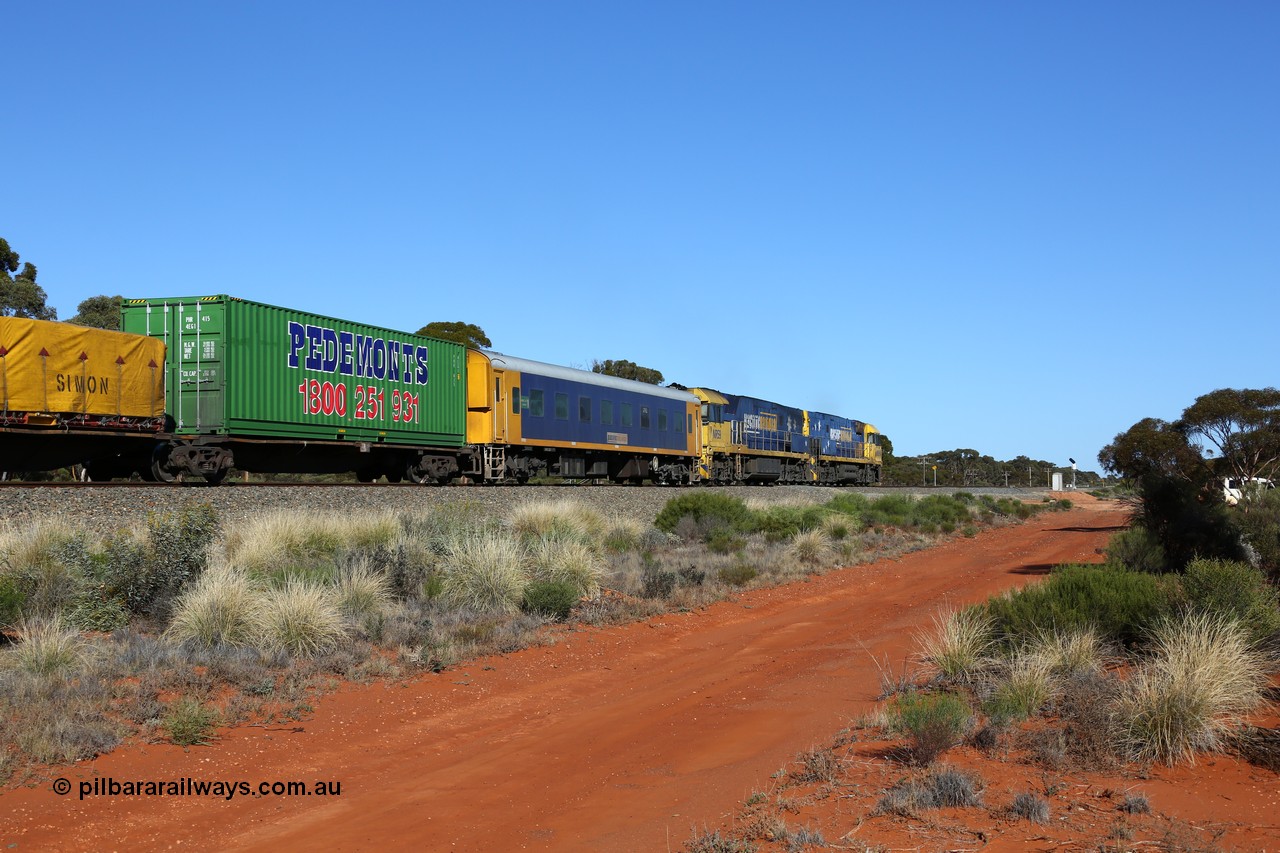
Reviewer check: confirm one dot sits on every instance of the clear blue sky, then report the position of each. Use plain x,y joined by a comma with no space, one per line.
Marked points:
1017,227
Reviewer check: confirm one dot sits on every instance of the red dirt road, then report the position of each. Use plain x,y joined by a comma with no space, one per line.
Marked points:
619,739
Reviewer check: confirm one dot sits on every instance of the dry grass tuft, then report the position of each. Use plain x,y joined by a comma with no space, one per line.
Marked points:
959,644
300,618
220,608
47,647
1194,694
560,519
484,572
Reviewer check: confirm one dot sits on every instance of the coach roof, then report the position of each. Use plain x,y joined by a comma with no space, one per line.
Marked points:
599,380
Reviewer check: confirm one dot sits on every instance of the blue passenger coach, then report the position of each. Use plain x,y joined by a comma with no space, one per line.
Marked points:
538,419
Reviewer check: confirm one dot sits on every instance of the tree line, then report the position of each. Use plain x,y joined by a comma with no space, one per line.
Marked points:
966,468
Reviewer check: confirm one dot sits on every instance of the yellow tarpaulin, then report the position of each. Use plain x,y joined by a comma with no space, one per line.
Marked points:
64,369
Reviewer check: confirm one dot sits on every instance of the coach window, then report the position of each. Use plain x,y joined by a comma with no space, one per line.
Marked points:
626,414
562,407
536,403
515,399
584,409
662,420
644,417
689,427
606,412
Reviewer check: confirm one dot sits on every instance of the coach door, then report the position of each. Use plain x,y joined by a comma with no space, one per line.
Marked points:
501,396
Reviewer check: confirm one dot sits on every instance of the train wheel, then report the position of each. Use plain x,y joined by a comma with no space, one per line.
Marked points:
394,476
160,466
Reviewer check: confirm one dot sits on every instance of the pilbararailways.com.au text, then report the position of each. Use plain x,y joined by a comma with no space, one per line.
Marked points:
187,787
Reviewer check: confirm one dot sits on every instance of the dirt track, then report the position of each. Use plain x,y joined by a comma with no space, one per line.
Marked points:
612,739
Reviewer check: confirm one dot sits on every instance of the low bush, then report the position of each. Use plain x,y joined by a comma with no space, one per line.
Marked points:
553,599
817,765
1236,591
189,723
705,507
739,574
1030,807
656,582
935,722
1121,606
782,522
945,788
1137,550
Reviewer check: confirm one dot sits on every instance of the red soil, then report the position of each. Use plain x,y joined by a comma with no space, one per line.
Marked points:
621,738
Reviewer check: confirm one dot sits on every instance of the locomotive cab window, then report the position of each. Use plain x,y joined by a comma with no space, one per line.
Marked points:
536,403
584,409
606,412
562,406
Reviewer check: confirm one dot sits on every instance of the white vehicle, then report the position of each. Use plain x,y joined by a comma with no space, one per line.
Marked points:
1235,489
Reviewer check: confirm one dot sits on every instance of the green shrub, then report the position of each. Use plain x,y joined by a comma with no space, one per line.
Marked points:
189,723
723,541
1259,525
553,599
739,574
935,722
719,509
12,599
1138,550
1120,605
178,550
656,583
1234,590
781,522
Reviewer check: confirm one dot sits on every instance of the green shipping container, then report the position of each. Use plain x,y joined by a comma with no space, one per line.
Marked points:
244,369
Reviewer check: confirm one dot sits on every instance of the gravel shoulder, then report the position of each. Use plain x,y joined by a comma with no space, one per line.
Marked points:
107,508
